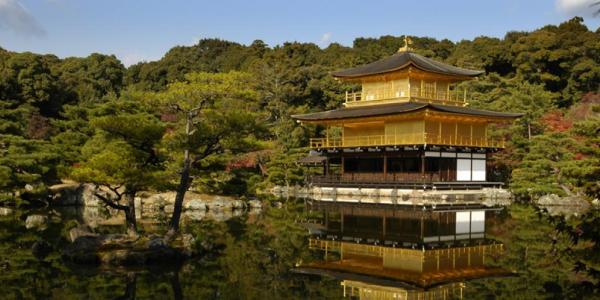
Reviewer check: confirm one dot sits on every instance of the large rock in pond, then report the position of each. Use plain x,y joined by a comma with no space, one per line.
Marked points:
121,250
39,222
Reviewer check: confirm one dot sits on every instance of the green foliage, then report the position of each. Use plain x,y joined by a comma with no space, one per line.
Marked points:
26,167
543,254
123,151
225,122
248,93
284,169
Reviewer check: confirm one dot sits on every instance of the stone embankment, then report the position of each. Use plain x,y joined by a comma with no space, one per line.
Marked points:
149,205
571,205
487,196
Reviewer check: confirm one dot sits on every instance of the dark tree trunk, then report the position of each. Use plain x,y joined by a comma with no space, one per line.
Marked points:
176,286
184,184
181,190
129,288
130,219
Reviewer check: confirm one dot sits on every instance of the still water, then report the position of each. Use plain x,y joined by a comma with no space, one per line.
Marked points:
294,253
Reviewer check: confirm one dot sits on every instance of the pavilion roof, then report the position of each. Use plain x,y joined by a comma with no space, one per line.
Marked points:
401,60
397,108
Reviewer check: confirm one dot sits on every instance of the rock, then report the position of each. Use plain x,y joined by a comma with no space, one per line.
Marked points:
79,231
195,215
550,199
555,200
277,204
219,215
238,204
576,201
156,242
5,211
41,249
596,202
29,187
220,203
155,202
66,194
566,206
84,250
88,197
188,242
36,221
195,204
255,204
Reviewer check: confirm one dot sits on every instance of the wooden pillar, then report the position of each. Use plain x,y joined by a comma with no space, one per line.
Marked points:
423,165
383,224
484,132
341,223
455,132
342,164
422,85
471,134
439,135
422,227
327,136
385,165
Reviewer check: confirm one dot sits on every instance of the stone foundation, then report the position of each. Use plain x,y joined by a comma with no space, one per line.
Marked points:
486,196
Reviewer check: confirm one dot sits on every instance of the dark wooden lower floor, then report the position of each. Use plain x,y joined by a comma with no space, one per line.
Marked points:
418,166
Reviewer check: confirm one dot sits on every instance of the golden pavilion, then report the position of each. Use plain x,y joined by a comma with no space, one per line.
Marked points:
409,125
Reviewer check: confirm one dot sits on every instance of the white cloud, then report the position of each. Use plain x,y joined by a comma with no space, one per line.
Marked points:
325,39
577,7
15,17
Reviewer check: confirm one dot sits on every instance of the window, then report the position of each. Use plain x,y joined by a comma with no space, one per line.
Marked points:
357,164
406,165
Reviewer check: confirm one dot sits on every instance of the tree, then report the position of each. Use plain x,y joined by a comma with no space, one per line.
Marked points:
27,166
122,157
216,115
284,169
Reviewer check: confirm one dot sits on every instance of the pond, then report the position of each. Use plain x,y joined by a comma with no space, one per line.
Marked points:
259,255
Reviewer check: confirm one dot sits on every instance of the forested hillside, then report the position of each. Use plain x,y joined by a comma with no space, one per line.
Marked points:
58,117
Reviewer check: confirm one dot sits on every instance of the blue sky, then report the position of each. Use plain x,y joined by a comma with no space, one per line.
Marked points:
145,30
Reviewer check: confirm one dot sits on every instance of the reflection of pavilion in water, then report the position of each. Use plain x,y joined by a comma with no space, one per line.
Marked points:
383,252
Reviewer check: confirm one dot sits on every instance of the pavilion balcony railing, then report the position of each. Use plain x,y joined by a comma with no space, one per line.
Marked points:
456,97
405,139
477,253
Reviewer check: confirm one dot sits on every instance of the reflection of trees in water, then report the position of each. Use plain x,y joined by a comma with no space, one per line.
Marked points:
253,255
130,287
545,254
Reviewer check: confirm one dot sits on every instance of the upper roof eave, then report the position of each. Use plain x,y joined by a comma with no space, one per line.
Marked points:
402,60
